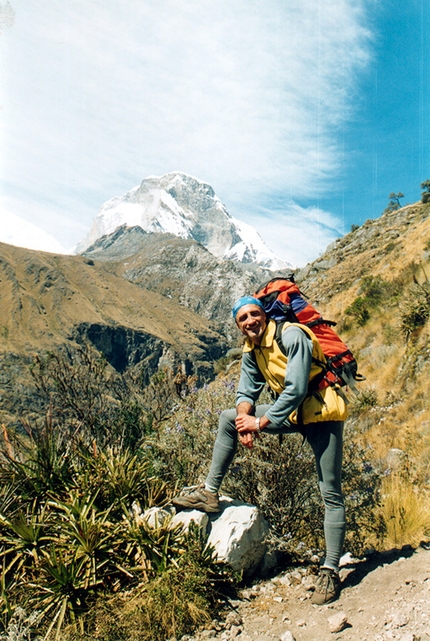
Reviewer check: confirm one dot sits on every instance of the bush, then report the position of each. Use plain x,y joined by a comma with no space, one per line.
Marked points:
373,292
359,311
187,595
76,387
405,511
69,535
181,451
415,309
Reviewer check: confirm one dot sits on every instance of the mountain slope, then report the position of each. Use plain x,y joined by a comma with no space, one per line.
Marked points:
46,298
181,205
385,248
180,269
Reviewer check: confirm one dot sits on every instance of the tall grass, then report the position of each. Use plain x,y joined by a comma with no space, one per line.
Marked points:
406,512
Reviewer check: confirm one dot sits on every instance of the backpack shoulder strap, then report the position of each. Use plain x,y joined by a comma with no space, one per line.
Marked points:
278,336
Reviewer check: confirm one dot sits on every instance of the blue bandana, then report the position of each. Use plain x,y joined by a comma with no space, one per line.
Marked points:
245,300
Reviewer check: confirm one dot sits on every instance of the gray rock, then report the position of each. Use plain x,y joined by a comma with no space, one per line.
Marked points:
233,618
154,516
395,458
337,622
238,534
187,516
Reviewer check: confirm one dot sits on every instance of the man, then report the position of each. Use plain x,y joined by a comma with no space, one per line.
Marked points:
319,416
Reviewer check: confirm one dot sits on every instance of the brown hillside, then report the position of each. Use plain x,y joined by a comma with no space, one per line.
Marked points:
46,296
383,247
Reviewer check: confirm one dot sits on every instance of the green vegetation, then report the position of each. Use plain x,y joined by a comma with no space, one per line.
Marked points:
373,292
393,202
425,196
71,538
415,309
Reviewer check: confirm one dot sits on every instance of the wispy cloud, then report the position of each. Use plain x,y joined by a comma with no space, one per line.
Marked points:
249,96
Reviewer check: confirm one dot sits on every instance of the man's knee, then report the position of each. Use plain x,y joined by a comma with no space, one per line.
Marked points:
332,496
227,421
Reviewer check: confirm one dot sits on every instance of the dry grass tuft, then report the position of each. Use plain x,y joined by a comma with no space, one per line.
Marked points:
406,512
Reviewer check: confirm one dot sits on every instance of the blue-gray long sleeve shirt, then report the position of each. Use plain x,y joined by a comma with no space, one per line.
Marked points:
298,350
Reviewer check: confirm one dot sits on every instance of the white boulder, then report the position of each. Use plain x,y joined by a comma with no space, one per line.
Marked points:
237,532
238,535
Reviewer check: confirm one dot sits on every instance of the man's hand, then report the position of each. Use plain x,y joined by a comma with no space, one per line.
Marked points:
246,440
245,425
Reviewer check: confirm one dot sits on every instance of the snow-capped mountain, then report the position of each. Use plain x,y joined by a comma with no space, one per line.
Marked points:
182,205
16,231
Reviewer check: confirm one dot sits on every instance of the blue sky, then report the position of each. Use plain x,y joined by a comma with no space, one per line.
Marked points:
303,115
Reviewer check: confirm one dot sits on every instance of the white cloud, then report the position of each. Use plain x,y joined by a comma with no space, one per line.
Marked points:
249,96
297,234
17,231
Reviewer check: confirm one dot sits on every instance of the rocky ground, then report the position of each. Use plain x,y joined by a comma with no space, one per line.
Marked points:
384,597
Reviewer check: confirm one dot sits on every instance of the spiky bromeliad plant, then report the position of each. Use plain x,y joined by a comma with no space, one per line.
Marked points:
69,536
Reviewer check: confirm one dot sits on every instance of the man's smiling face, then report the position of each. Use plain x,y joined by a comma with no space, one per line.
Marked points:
251,320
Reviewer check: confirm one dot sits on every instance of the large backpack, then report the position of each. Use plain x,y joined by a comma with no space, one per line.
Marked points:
283,301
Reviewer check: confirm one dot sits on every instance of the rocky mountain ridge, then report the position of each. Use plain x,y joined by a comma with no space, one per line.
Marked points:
180,269
383,246
181,205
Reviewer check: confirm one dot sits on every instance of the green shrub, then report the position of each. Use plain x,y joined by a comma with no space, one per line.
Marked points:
359,310
373,292
415,309
77,389
185,596
364,400
70,537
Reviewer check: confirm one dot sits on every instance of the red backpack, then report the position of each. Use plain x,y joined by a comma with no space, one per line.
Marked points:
283,301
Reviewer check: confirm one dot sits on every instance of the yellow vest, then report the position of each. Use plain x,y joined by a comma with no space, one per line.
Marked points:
324,405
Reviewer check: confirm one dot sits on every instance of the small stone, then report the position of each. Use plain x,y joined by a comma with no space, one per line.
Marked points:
399,620
287,636
278,599
301,623
295,577
337,622
235,630
308,582
233,618
347,559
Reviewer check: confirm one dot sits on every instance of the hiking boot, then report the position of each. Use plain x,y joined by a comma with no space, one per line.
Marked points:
327,587
201,499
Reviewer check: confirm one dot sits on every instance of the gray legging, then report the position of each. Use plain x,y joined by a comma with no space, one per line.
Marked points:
326,442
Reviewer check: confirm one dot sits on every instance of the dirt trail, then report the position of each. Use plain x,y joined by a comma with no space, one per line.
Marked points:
384,597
